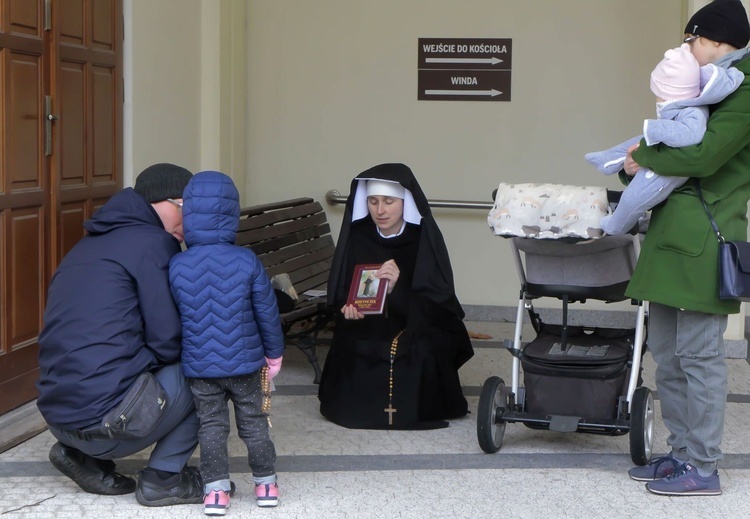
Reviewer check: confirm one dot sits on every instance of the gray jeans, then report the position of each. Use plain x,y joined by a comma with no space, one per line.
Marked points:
691,377
211,396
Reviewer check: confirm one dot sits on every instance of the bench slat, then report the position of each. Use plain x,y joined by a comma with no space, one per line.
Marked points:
317,282
282,215
295,251
259,209
304,266
289,227
272,244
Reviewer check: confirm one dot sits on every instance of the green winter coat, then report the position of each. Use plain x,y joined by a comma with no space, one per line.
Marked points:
678,264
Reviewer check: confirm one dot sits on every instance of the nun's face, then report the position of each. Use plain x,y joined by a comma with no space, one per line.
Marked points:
387,213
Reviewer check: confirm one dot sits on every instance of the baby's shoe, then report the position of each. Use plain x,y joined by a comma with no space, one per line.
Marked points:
216,502
267,494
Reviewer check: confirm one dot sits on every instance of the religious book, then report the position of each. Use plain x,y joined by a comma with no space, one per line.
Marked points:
367,292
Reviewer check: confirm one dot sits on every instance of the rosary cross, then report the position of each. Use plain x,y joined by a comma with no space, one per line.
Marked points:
390,410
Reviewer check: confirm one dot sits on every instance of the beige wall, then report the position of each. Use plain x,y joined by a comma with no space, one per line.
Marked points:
186,85
163,83
332,91
293,98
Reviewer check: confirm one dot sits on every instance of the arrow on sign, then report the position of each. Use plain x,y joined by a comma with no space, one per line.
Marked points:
483,61
491,93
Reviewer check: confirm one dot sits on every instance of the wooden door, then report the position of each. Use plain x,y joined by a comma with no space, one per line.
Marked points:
60,156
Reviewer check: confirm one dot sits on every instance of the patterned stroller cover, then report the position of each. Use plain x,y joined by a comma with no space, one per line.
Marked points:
556,229
548,211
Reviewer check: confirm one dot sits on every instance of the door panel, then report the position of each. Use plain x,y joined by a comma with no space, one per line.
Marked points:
71,126
24,18
26,233
24,113
23,198
72,217
44,199
103,117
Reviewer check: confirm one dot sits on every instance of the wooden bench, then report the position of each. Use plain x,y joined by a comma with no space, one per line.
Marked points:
293,237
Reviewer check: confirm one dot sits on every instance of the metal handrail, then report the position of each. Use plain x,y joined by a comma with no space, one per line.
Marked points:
333,197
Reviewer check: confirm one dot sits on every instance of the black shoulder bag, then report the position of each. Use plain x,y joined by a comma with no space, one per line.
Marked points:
734,262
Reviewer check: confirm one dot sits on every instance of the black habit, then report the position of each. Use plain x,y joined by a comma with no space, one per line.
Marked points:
434,343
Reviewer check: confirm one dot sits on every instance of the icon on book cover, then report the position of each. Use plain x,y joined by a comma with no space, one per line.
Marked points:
367,292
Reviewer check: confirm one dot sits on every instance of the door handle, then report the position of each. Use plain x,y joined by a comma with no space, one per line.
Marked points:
49,117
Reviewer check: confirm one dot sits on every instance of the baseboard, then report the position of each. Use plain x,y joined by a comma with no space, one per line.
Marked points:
735,349
19,425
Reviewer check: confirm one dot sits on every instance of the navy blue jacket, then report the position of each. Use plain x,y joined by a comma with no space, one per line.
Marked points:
230,320
110,315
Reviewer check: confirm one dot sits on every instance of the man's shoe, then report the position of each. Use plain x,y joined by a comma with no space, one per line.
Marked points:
216,502
657,468
92,475
686,483
185,488
267,494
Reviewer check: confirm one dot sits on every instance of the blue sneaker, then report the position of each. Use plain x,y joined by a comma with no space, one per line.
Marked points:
657,468
686,483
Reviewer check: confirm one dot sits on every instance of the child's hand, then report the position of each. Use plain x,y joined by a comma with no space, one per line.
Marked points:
274,366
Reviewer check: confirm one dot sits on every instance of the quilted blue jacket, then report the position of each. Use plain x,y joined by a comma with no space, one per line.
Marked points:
230,320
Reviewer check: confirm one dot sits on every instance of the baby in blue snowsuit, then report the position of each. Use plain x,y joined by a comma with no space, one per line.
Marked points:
683,91
230,331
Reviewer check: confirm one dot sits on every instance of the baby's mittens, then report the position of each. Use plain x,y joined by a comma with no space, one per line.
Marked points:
274,366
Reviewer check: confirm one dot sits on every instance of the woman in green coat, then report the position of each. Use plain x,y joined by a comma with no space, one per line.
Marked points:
677,271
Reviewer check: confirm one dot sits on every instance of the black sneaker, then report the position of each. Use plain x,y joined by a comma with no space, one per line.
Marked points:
92,475
185,488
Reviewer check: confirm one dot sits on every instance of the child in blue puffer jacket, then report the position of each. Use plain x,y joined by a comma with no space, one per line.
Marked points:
230,331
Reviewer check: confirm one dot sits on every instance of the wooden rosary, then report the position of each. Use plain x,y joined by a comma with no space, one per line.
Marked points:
390,409
265,388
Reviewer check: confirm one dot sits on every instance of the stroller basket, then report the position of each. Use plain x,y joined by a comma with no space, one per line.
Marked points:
562,380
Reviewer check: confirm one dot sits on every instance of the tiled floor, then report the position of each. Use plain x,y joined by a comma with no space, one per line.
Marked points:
326,471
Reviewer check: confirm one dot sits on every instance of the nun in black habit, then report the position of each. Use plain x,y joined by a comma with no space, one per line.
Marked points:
399,369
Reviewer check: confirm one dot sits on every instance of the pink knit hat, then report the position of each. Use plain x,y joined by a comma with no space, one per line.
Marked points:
677,76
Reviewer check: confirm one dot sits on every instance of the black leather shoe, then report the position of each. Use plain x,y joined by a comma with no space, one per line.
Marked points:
185,488
92,475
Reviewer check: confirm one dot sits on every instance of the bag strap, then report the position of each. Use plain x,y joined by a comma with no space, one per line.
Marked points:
697,187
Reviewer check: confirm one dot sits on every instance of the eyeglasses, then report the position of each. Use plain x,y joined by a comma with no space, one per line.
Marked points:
175,202
690,39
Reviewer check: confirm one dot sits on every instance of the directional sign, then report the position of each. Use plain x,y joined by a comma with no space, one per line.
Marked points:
461,69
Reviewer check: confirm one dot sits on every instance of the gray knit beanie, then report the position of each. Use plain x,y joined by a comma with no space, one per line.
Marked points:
162,181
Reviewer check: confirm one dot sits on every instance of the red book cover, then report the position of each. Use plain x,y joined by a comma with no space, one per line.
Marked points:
367,292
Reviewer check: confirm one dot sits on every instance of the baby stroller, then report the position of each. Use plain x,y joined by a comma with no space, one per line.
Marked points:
575,378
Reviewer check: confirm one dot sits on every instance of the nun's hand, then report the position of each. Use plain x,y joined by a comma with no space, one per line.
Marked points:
351,312
389,270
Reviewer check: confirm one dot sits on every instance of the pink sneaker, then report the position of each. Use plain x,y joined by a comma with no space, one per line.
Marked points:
216,502
267,495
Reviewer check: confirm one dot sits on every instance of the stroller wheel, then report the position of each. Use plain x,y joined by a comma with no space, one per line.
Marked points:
641,425
490,424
